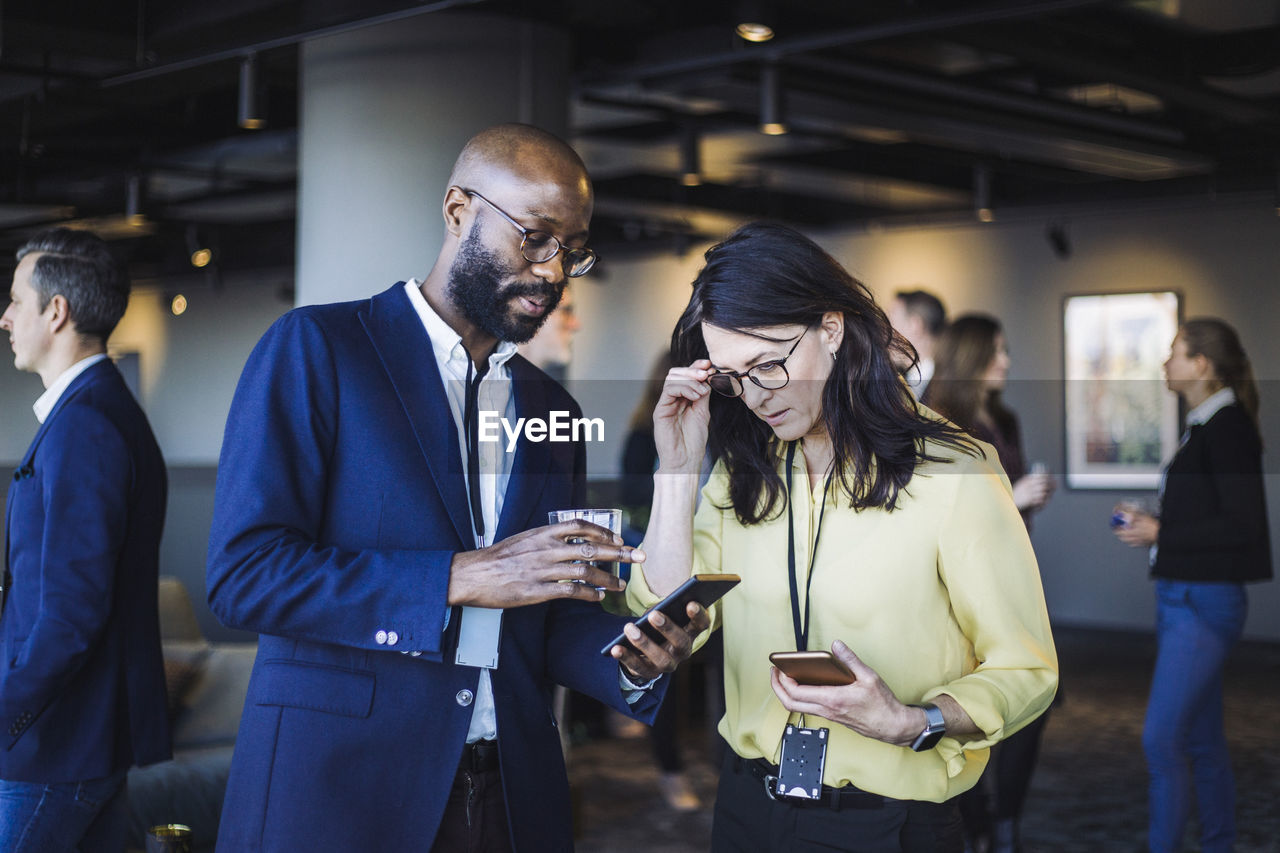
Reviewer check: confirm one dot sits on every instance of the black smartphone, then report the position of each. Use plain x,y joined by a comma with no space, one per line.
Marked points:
813,667
704,589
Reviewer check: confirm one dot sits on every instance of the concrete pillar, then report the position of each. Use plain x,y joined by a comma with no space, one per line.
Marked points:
384,112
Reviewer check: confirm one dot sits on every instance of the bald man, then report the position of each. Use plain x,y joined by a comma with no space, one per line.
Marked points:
415,611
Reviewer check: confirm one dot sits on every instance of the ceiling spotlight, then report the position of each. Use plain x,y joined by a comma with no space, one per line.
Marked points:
178,305
771,118
982,194
753,21
249,113
690,158
754,31
201,257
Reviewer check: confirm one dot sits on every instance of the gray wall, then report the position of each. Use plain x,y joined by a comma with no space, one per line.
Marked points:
1222,258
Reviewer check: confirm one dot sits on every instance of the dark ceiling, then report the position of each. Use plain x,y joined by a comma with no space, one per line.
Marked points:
917,109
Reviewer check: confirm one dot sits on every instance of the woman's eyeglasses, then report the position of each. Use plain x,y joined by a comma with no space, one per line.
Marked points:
770,375
539,247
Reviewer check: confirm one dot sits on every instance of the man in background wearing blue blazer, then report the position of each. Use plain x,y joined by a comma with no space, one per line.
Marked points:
410,598
82,695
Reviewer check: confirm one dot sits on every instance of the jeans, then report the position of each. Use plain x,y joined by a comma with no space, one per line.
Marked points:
90,817
1183,736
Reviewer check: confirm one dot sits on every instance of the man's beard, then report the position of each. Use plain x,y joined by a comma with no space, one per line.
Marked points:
475,287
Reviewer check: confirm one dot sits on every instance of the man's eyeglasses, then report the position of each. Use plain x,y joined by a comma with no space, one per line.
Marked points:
770,375
539,247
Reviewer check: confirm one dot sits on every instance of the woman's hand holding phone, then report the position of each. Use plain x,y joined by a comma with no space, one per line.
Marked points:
866,704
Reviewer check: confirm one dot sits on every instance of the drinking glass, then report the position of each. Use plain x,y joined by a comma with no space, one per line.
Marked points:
607,518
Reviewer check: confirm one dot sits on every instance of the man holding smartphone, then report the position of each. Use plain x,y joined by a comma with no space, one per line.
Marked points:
413,609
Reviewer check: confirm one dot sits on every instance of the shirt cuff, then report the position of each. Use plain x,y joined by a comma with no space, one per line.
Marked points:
631,691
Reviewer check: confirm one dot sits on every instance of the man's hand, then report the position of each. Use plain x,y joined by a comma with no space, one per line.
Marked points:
645,659
538,565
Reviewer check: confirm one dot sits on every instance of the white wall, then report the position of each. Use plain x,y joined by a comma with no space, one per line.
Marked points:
1222,258
188,366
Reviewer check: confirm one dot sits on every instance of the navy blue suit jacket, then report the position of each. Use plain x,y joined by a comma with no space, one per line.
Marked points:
81,679
340,505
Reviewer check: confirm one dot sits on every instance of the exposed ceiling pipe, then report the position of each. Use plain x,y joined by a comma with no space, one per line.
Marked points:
1188,95
779,49
281,41
1013,102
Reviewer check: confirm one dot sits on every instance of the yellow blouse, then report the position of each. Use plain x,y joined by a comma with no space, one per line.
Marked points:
941,595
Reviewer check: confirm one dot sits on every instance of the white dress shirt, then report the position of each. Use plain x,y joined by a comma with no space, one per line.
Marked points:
494,394
44,405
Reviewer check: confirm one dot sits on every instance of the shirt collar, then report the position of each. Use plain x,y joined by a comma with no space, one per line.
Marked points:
1217,400
447,343
44,405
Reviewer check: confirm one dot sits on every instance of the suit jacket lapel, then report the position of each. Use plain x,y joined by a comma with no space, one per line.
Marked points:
533,458
26,468
405,351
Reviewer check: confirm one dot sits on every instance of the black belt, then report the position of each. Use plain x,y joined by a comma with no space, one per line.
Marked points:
847,797
480,757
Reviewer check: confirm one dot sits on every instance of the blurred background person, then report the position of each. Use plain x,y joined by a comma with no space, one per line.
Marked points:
970,372
919,317
551,348
1209,539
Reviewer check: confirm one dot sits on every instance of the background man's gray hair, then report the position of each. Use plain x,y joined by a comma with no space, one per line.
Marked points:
79,266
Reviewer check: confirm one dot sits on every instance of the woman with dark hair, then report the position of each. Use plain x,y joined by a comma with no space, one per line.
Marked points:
970,372
971,369
1209,539
858,523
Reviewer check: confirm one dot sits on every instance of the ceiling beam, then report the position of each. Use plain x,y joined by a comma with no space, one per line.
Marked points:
779,50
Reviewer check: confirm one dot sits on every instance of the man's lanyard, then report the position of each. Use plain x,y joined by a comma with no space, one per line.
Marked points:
470,417
480,631
801,628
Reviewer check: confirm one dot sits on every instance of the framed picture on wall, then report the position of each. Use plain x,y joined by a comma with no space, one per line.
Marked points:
1122,423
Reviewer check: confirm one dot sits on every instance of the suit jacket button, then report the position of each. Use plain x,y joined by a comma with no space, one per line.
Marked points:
380,638
392,638
465,697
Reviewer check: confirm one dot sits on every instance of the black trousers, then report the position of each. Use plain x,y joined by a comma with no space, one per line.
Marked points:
475,819
747,820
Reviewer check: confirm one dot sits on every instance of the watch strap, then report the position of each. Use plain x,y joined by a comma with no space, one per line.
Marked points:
935,727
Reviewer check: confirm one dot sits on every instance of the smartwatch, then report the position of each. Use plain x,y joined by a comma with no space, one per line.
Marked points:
935,727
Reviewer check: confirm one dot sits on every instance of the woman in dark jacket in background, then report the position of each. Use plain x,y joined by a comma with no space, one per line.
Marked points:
971,367
1209,539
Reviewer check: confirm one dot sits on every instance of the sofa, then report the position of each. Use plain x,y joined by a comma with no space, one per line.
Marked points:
206,683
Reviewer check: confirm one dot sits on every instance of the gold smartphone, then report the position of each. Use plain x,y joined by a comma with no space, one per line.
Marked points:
819,667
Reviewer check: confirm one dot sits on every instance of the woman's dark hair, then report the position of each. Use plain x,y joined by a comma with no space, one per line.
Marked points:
1218,342
766,275
962,354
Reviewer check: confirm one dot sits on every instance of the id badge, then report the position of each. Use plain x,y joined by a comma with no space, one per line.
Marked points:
478,637
804,755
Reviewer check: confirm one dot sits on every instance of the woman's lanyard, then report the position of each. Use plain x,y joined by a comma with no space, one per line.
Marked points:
801,628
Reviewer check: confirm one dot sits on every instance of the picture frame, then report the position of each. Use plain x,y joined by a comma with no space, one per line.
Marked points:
1122,424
